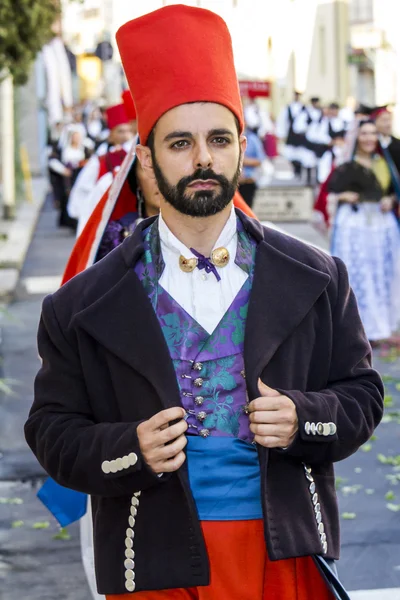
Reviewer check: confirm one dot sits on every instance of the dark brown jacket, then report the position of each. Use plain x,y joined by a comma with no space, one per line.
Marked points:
106,367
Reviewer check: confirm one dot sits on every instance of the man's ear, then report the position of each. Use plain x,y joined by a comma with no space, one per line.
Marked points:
146,162
243,146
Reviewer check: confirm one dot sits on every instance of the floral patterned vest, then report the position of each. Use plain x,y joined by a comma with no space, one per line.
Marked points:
222,461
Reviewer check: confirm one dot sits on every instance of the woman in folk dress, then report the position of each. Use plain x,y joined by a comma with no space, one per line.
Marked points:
366,234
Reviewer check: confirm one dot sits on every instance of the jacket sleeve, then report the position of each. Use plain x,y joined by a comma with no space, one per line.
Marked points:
95,458
336,421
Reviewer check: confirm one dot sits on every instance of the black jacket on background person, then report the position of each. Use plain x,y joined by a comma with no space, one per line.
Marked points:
106,367
394,151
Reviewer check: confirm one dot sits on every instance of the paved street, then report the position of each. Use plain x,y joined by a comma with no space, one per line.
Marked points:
35,566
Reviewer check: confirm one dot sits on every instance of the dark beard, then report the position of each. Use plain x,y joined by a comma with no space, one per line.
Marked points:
203,203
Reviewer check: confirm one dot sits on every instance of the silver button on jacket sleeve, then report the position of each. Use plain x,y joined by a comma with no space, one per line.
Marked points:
119,464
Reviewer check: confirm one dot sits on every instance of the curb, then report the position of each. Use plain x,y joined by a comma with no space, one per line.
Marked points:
18,235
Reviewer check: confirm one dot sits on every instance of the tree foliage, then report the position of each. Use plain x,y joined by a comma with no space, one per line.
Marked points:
25,26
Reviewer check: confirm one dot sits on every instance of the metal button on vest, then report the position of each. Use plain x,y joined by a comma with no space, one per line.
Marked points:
199,400
315,499
313,428
198,382
128,543
130,533
307,468
132,521
204,433
323,537
320,429
119,464
325,547
129,553
113,466
307,428
321,528
318,517
333,428
201,416
134,501
198,366
130,585
129,564
317,507
309,476
312,488
133,511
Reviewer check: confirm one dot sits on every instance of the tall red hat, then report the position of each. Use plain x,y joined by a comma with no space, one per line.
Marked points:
175,55
116,115
129,105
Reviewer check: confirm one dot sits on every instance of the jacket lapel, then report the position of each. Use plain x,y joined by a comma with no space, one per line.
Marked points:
283,292
124,322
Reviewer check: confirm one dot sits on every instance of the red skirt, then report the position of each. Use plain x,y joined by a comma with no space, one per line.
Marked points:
241,570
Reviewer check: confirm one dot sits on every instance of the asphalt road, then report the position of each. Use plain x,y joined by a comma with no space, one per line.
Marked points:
35,566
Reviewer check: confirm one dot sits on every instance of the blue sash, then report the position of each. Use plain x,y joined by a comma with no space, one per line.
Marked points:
224,475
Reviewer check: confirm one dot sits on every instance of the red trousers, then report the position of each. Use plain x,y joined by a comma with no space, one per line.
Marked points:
241,570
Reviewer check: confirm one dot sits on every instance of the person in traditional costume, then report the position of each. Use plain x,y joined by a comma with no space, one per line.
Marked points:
120,140
366,234
293,142
388,143
308,124
66,160
187,385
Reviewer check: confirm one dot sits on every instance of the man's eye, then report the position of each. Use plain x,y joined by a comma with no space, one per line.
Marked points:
180,144
221,141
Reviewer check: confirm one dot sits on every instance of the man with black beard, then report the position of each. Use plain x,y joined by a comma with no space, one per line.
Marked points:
201,379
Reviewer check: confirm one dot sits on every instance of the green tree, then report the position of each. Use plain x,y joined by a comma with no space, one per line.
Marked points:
25,26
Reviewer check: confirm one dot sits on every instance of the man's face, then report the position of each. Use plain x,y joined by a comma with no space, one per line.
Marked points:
196,158
384,123
121,134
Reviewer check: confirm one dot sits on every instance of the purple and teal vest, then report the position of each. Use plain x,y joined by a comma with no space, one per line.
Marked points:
223,462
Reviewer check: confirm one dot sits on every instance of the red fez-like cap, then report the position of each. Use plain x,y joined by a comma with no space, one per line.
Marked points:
176,55
116,115
379,111
129,105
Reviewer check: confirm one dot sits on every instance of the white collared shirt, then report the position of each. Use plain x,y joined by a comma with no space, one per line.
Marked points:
199,293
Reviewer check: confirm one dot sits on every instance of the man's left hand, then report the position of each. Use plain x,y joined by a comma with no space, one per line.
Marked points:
273,418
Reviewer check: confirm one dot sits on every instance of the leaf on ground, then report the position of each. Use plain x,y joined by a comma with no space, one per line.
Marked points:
16,524
389,460
373,438
351,489
388,401
62,534
348,516
339,481
394,479
366,448
11,501
390,495
393,507
358,470
41,525
369,491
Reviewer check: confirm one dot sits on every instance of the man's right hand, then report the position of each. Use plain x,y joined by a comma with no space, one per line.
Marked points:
162,444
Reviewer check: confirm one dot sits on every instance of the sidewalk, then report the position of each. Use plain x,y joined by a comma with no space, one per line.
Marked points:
15,237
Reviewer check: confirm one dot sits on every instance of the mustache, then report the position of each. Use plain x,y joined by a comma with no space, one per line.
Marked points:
202,174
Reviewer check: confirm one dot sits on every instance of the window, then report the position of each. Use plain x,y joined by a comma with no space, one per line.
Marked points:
361,11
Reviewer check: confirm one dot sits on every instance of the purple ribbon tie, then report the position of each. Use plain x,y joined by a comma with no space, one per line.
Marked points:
205,263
